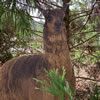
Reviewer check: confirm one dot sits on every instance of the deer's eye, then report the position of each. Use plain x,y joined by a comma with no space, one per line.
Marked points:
49,19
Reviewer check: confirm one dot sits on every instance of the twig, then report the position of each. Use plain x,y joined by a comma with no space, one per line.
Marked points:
25,4
87,18
49,6
85,78
37,17
78,17
38,22
84,41
55,5
80,12
37,34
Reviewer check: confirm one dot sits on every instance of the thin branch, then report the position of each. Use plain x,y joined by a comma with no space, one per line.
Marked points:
34,32
49,6
37,34
87,18
84,32
79,12
38,31
38,22
78,17
25,4
89,31
55,5
88,54
84,41
85,78
37,17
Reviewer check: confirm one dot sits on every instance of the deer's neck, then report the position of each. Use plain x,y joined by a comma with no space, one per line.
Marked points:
57,50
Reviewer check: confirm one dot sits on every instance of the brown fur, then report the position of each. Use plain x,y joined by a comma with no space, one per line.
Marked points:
16,75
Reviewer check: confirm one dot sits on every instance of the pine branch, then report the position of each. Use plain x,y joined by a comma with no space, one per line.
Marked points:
78,17
87,18
84,41
25,5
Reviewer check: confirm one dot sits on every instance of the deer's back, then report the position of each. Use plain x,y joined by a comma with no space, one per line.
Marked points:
16,75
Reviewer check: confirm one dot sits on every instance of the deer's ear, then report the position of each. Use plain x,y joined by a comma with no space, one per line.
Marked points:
45,13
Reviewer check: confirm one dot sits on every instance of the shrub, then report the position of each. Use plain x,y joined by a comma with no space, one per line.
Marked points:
56,85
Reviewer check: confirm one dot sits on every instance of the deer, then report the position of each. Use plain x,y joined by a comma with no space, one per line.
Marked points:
16,75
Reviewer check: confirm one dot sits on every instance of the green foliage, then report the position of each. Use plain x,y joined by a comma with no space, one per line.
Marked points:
16,26
95,95
16,20
84,39
56,85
